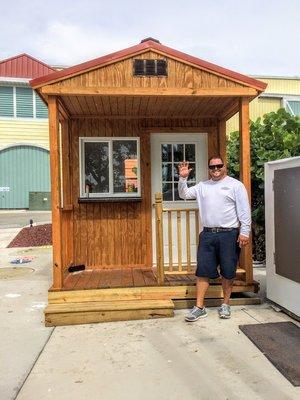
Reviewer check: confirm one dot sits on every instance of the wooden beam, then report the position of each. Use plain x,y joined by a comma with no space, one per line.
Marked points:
245,177
55,191
142,91
63,110
230,110
222,139
144,116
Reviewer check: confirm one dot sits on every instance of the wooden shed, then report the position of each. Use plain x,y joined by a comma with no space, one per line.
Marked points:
119,125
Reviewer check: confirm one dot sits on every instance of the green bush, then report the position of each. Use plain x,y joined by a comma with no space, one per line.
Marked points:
273,137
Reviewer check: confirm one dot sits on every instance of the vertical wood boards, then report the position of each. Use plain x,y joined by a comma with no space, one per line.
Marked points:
67,208
245,177
55,191
112,235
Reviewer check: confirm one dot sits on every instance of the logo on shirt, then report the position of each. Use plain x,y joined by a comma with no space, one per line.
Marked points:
225,188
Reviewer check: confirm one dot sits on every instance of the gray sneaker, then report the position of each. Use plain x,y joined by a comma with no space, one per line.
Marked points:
195,314
224,311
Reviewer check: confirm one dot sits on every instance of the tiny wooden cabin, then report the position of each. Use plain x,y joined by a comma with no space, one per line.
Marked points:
119,125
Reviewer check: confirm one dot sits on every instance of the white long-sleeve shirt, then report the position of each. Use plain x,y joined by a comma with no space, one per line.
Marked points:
221,203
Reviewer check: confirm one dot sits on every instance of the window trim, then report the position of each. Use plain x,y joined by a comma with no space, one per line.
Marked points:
110,194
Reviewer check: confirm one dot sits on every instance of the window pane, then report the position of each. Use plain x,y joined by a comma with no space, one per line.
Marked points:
166,152
166,174
167,192
6,101
176,195
41,108
24,98
125,166
176,173
294,106
192,173
178,152
190,152
96,167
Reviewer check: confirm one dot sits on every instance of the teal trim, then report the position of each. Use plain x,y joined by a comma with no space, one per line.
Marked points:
23,169
6,101
24,99
41,109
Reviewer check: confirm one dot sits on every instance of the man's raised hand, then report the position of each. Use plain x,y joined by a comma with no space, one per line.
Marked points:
183,169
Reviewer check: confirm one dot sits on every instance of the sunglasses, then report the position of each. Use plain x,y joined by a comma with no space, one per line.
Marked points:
216,166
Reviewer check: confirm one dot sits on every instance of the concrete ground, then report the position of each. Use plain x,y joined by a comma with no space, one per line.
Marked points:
154,359
20,218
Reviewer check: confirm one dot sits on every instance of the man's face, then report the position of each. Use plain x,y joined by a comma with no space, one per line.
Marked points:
216,168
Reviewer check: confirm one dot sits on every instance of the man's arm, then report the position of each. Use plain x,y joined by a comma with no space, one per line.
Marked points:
184,191
243,213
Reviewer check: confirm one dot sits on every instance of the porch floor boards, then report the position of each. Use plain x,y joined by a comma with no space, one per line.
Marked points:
122,278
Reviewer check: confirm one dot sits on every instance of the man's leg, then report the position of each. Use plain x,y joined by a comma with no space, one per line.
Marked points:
227,289
202,286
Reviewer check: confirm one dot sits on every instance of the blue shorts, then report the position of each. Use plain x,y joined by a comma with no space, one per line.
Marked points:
218,249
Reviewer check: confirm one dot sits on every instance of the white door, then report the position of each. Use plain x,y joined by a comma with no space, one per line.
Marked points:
167,150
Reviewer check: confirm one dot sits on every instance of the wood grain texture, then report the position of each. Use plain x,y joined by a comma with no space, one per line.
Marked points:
55,192
245,177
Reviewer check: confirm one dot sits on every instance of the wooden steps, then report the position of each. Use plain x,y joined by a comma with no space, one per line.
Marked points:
143,293
88,312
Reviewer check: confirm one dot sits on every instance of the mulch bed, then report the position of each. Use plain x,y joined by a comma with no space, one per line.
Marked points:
40,235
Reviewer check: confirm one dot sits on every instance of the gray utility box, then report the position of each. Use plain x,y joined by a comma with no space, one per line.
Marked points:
282,208
40,201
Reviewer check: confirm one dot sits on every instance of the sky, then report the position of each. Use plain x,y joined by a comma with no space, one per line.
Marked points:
248,36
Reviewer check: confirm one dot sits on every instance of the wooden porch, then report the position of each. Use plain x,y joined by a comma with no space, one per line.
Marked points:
93,296
139,277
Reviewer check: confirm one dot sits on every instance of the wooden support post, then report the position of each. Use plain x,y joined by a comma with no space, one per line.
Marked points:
212,142
159,239
55,191
222,139
245,177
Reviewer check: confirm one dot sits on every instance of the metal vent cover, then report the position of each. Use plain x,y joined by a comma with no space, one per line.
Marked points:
149,67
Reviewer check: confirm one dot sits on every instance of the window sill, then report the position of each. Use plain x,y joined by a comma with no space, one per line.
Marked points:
109,199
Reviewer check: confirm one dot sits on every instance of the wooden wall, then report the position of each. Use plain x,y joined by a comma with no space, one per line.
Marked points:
115,235
120,74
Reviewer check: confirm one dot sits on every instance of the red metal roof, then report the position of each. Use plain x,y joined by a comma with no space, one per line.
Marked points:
140,48
24,66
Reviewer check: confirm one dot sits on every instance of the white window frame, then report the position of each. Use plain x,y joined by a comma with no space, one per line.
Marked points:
110,193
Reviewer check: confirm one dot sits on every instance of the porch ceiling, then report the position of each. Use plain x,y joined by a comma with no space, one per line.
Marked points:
149,106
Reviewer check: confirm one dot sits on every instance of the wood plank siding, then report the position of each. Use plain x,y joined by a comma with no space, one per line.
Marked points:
116,235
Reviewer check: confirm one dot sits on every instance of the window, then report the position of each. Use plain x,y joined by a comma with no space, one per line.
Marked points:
21,102
6,101
24,102
171,155
293,106
149,67
110,167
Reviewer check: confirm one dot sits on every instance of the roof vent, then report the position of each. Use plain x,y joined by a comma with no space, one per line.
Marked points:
150,38
149,67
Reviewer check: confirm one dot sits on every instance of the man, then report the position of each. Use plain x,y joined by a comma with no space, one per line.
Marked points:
225,214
